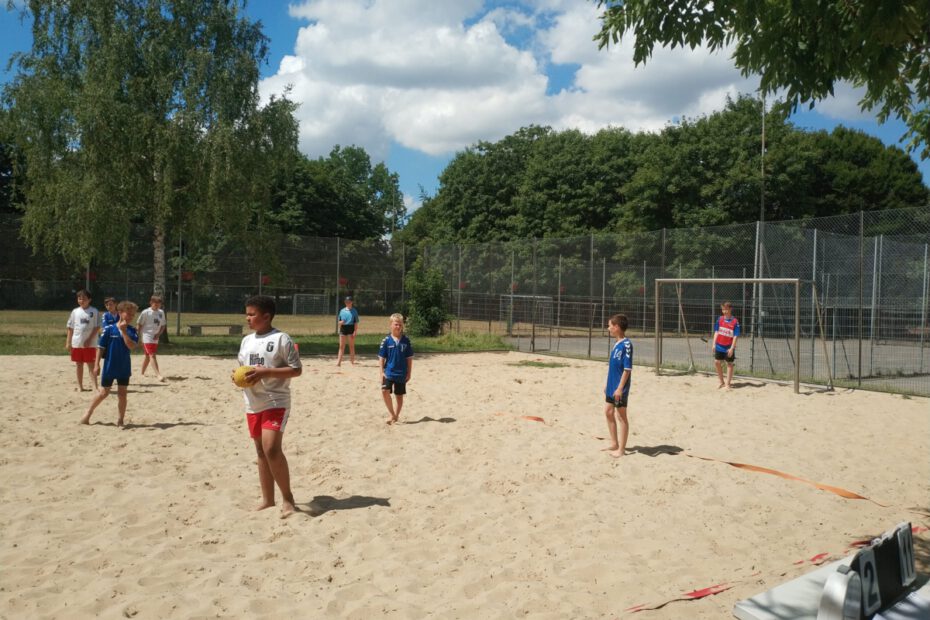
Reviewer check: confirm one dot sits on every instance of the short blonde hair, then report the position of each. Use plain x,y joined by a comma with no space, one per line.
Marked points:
127,305
397,316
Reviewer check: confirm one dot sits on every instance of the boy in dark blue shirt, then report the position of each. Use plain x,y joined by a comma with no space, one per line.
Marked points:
396,355
118,340
617,390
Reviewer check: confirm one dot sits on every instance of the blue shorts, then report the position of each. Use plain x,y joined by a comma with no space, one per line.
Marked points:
618,403
398,387
107,382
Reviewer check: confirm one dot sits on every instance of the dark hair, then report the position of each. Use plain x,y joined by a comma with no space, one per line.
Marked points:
726,304
83,293
621,320
262,303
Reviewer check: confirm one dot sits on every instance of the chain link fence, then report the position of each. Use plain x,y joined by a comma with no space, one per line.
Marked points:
863,306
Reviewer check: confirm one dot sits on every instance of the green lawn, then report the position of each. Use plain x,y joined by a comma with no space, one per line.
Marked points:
43,333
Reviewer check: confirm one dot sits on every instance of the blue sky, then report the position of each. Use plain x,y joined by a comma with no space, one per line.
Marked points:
415,81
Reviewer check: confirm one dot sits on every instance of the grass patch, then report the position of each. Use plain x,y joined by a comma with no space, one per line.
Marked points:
43,333
536,364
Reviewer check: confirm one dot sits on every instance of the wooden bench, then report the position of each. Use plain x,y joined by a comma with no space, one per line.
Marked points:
197,329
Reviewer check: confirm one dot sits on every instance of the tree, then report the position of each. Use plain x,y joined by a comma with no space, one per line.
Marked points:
143,111
800,47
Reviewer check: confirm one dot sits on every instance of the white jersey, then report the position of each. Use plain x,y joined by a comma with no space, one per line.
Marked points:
272,350
150,325
83,322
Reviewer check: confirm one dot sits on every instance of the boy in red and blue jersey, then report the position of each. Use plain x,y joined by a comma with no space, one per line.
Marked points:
726,332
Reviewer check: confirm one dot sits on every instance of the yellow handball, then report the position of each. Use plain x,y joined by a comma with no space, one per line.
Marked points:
239,376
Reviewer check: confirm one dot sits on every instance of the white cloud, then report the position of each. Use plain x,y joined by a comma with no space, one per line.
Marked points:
437,76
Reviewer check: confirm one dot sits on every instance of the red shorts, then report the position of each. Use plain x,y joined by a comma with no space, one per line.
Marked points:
272,419
150,348
83,355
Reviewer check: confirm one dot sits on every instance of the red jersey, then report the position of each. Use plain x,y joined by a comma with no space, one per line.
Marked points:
727,330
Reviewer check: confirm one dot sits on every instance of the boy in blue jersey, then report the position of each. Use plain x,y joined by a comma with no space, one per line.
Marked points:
111,316
118,340
348,330
617,390
396,355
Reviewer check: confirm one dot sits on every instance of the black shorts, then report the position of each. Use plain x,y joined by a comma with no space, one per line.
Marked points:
617,403
398,387
347,330
107,382
722,355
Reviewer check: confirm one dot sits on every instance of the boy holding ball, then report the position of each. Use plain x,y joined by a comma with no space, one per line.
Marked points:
274,360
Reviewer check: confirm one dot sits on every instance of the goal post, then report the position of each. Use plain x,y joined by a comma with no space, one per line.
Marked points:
793,284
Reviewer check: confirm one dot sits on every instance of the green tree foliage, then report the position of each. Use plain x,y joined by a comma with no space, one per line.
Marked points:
143,111
696,173
425,304
799,47
338,196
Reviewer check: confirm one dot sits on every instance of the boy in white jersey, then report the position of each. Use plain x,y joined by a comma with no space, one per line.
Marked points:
83,325
151,324
274,359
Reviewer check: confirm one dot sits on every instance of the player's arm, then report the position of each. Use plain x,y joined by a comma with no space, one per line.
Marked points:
409,369
624,379
123,328
70,336
92,336
281,372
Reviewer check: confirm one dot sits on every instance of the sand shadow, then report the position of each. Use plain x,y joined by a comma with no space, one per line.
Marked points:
321,504
429,419
162,426
655,450
745,384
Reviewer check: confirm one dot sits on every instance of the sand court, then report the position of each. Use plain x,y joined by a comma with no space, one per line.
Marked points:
468,508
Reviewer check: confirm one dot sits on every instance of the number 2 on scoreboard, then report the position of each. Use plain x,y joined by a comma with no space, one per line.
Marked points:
871,598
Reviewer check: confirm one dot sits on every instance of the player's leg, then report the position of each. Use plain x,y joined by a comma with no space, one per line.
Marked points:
342,346
121,389
611,427
400,405
719,366
145,363
352,347
388,402
79,370
277,464
730,366
624,428
265,478
93,376
102,393
156,368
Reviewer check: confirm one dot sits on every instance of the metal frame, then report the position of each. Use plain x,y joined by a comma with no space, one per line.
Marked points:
797,312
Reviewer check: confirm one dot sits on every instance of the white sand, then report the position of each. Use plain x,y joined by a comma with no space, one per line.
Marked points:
466,511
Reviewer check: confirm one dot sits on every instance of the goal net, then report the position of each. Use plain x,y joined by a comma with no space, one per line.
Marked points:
780,323
537,309
312,303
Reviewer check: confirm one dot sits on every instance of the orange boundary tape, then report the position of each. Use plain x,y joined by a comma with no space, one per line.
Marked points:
765,470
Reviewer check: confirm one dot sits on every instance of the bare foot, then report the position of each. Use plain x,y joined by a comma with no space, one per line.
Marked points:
264,505
119,424
616,453
161,379
610,449
85,419
395,418
720,386
389,421
79,388
287,509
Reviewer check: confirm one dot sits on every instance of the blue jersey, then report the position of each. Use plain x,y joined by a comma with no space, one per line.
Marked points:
348,317
396,352
117,364
621,358
110,319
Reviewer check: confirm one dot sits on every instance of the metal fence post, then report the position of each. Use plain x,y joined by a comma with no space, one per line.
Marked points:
923,312
861,267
